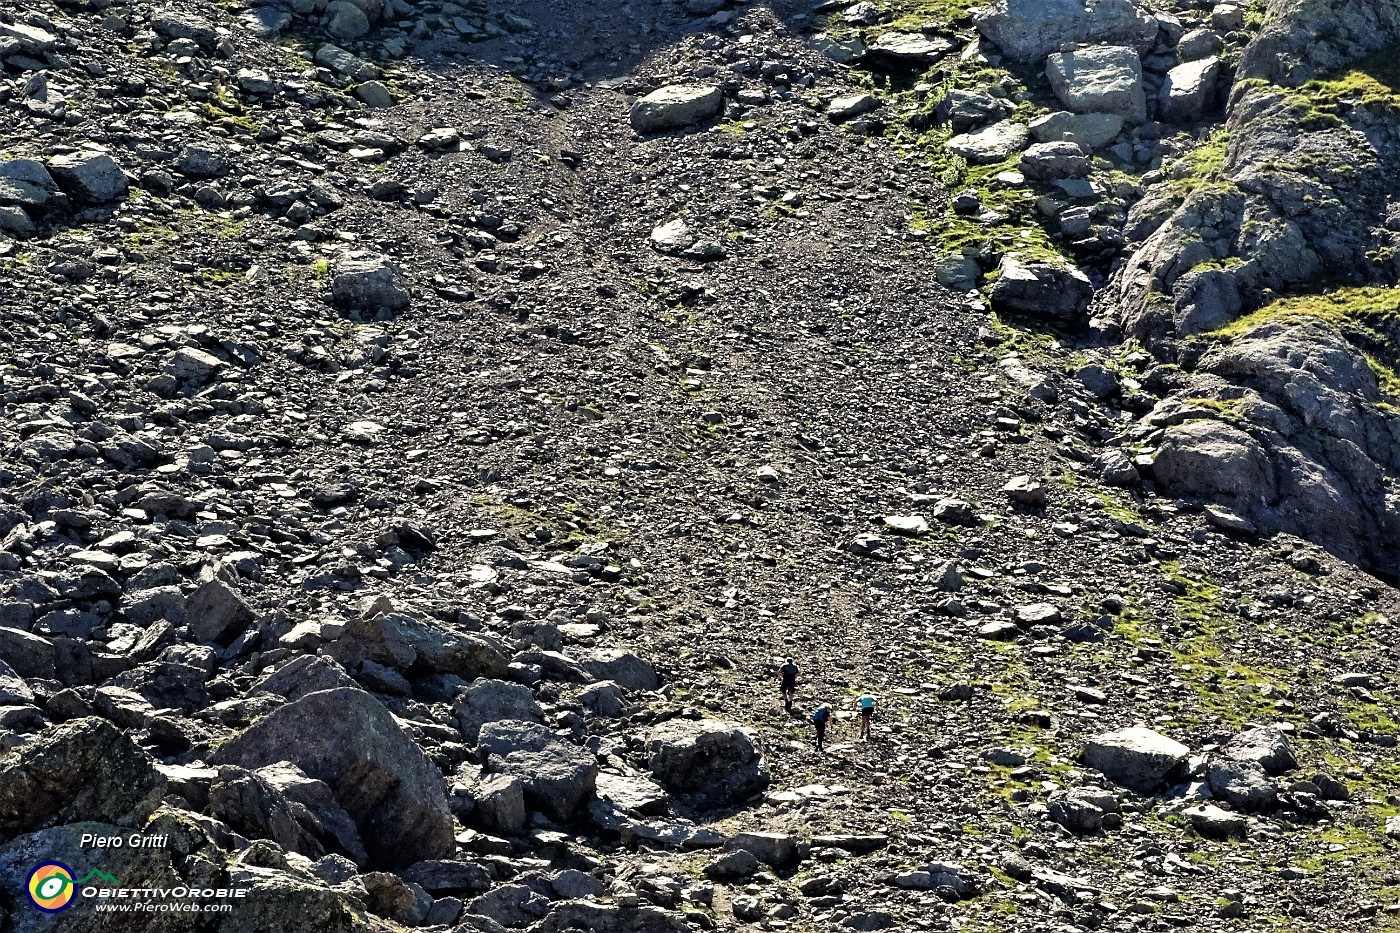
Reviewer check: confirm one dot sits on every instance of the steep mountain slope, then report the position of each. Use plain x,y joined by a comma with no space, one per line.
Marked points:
414,474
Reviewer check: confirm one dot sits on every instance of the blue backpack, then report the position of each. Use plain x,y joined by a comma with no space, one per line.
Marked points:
820,714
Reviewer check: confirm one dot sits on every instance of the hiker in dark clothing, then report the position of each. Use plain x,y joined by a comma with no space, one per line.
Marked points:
822,717
788,673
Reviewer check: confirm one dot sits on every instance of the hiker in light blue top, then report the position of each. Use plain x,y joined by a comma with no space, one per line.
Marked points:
822,717
865,703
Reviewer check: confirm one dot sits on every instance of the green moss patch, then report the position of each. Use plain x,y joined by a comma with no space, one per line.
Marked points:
1369,319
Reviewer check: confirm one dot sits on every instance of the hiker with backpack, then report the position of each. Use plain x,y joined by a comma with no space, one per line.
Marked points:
822,717
788,674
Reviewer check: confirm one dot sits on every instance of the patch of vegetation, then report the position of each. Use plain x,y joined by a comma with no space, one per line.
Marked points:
1374,81
1203,168
1204,655
1369,318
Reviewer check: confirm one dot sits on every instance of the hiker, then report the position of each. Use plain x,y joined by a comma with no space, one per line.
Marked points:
822,717
788,673
865,703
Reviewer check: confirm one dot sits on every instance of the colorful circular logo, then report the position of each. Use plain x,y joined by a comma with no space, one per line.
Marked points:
51,887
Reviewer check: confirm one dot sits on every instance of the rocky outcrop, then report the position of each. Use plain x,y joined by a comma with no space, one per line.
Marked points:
1303,39
1297,193
1297,190
1308,450
82,770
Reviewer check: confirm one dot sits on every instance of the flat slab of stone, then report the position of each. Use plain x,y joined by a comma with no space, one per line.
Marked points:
991,144
1136,758
675,107
911,47
1090,130
1214,823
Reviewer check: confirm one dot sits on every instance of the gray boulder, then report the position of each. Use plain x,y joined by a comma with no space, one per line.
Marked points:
633,794
347,739
910,48
254,808
1029,30
1242,784
780,850
487,701
1099,79
308,673
364,281
1053,161
842,109
1081,810
602,699
1266,746
1116,468
557,775
732,866
587,915
89,177
412,646
82,770
1136,758
316,808
1198,44
27,184
30,655
174,25
345,64
1045,288
448,876
511,905
15,222
1092,131
13,690
500,803
623,668
709,762
216,613
347,21
1214,823
201,161
675,107
1190,91
962,110
31,40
